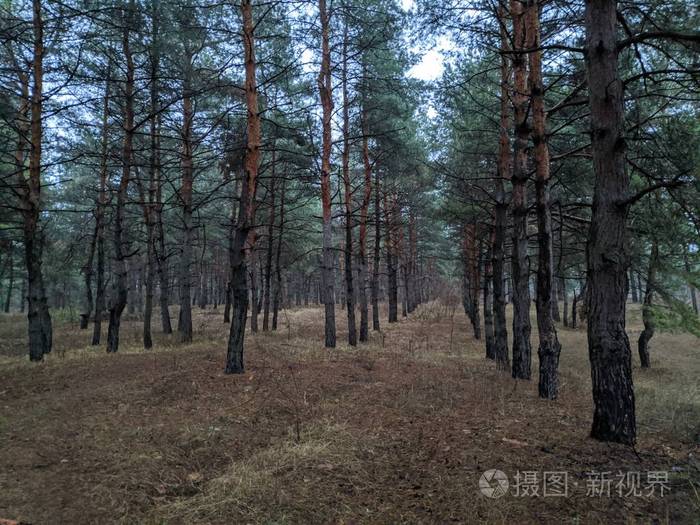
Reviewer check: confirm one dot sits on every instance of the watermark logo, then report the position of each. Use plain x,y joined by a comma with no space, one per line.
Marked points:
493,483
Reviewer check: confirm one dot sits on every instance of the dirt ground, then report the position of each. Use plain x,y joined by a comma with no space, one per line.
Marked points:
399,430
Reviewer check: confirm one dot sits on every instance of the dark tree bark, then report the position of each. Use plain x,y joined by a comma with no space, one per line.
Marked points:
363,275
520,261
348,252
377,247
29,190
239,285
607,254
488,307
389,243
549,347
87,276
325,88
100,292
119,295
278,257
691,288
267,293
647,314
184,325
501,222
470,279
11,270
119,280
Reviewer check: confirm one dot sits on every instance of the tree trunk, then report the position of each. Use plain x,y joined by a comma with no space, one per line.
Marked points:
389,243
607,254
278,255
520,262
377,246
363,275
647,314
488,307
87,275
691,288
184,325
119,280
239,289
501,221
549,347
348,252
39,321
325,88
100,299
270,246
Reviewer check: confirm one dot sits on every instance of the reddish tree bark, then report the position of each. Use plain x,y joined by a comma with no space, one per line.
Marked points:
549,347
325,88
520,262
239,285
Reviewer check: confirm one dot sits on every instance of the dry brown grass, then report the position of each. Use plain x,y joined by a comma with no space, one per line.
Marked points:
398,430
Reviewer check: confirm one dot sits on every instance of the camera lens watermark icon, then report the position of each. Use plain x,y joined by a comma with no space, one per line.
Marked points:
493,483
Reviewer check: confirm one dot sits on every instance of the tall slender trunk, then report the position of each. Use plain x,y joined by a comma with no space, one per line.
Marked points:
39,321
154,179
488,305
391,259
549,347
239,287
349,278
100,292
87,276
184,325
119,269
520,262
607,253
363,275
501,220
377,246
691,288
11,269
647,314
325,88
253,275
471,278
278,256
119,280
270,244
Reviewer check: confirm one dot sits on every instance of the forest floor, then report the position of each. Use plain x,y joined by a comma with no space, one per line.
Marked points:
398,430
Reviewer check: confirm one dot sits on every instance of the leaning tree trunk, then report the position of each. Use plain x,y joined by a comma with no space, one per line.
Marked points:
237,256
607,254
325,88
501,221
647,314
549,347
520,262
119,281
